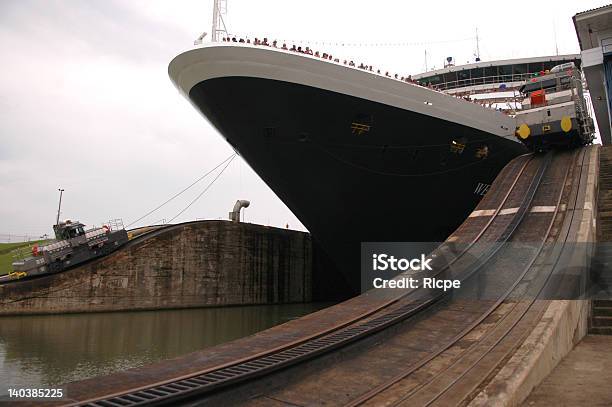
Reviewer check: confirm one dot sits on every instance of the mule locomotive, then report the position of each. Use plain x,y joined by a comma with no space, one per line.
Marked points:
554,111
73,245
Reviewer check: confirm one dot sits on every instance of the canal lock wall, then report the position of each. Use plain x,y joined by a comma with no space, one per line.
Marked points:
196,264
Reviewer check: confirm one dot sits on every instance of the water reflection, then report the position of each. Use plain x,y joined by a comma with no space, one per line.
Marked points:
44,351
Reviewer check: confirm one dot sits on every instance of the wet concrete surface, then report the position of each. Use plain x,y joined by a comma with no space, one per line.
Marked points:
583,378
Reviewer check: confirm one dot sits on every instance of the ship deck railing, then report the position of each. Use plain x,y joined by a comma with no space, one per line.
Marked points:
115,224
21,253
482,80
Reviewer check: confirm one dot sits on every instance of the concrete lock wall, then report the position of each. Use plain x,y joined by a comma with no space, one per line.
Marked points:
208,263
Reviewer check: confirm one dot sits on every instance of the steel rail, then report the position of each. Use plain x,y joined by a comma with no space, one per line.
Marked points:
273,359
379,389
526,309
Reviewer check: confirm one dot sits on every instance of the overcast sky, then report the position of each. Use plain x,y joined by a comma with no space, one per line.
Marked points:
86,103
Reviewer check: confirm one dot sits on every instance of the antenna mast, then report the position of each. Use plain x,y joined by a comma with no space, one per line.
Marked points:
218,25
477,46
59,208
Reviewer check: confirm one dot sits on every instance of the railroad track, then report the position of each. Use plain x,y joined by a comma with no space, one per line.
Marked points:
499,227
460,378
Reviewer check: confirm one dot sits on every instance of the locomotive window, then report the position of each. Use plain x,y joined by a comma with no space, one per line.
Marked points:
75,232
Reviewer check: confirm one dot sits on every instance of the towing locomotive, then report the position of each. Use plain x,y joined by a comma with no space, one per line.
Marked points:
554,112
73,245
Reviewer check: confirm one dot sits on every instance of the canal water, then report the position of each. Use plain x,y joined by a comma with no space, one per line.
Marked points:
46,351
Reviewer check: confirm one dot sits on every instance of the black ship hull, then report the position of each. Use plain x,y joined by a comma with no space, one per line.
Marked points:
352,169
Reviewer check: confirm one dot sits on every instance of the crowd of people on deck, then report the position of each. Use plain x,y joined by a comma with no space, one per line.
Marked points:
327,56
323,55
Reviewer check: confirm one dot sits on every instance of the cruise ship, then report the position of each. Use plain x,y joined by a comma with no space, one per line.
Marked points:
358,156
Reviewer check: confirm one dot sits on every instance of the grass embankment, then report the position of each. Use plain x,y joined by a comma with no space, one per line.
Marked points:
6,255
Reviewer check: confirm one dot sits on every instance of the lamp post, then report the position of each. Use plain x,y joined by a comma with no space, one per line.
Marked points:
61,191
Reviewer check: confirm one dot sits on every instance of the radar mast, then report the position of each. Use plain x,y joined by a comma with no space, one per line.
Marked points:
218,24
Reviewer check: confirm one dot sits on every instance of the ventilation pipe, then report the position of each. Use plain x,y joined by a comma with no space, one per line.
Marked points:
235,214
